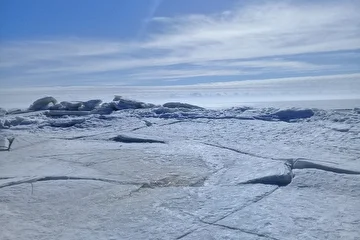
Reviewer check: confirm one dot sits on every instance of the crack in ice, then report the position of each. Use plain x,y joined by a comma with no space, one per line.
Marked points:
171,181
257,199
56,178
241,230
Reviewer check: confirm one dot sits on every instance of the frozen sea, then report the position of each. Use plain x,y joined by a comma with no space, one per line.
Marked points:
130,170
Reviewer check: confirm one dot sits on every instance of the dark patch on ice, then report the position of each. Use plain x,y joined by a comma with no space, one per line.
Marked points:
64,123
61,113
181,105
341,129
147,123
129,139
277,179
286,178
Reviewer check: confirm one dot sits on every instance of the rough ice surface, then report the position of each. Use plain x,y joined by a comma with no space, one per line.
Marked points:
133,170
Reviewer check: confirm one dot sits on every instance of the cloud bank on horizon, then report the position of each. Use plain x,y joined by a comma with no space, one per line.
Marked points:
242,40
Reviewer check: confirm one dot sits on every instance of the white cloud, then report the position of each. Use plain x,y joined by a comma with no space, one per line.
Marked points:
221,44
185,73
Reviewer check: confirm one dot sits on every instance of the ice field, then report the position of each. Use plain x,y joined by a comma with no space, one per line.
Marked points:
131,170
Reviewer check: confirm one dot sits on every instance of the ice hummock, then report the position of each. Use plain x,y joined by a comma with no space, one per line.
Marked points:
46,112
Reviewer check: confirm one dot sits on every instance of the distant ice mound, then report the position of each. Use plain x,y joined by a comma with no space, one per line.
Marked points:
287,115
43,104
71,106
3,112
117,98
94,106
77,105
93,113
104,109
90,105
120,103
50,103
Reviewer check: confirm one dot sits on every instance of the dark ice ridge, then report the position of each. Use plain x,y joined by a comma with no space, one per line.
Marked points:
132,139
286,178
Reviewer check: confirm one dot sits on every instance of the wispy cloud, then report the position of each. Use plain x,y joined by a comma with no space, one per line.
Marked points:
208,95
251,39
155,4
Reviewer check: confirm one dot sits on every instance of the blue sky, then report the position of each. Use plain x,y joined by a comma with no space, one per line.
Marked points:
174,42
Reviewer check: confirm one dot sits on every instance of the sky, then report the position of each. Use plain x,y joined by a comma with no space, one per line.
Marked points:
175,42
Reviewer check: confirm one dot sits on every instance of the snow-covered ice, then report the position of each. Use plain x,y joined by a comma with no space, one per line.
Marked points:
131,170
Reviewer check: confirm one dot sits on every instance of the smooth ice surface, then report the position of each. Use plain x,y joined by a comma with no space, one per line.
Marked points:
131,170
